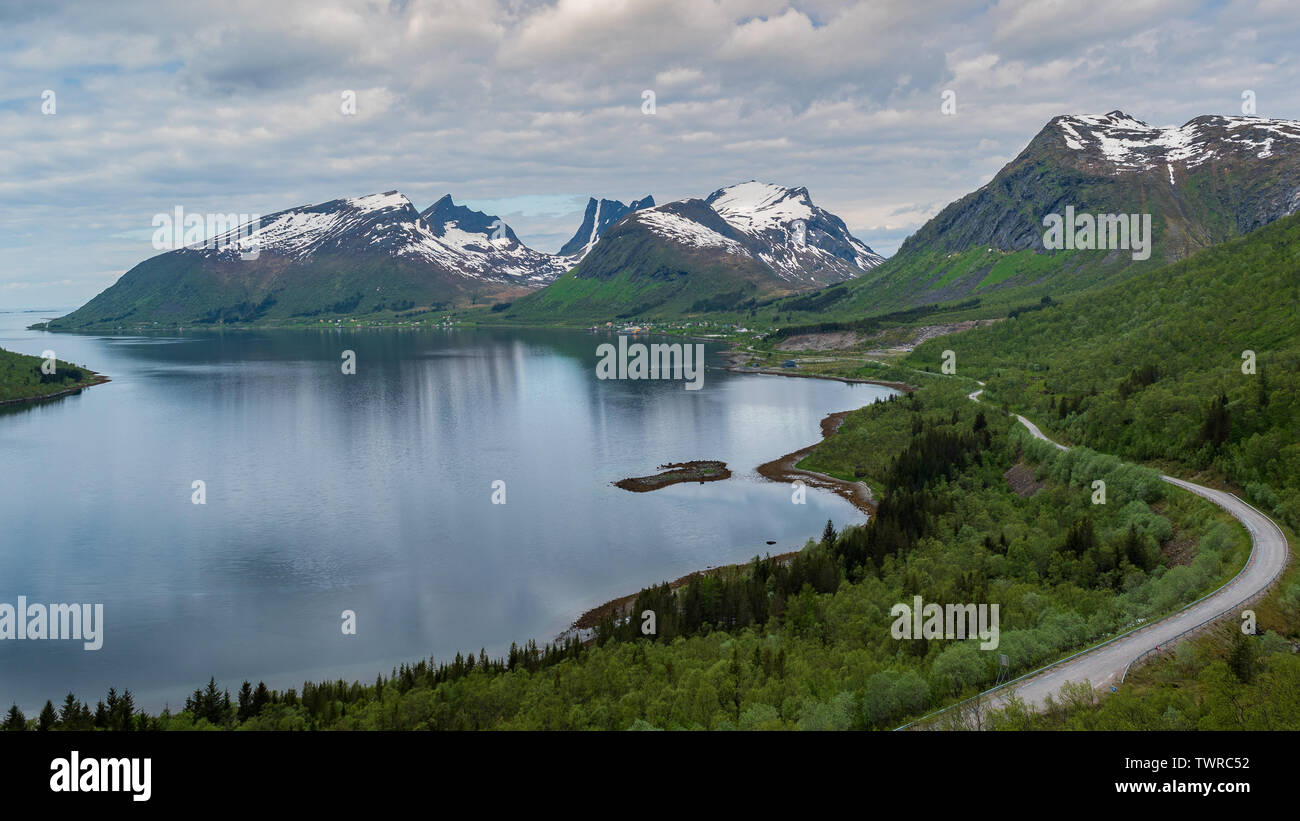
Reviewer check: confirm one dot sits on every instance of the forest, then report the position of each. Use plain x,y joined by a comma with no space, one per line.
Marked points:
1194,366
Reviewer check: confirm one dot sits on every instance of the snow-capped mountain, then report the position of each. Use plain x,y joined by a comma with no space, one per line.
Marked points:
735,250
1204,181
779,228
1201,183
799,240
598,217
488,246
451,237
378,254
355,256
385,222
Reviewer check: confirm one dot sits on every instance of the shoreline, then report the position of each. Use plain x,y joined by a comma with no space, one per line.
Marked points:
782,469
735,357
99,379
620,606
852,380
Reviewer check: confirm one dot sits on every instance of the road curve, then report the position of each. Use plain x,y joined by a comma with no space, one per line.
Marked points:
1106,665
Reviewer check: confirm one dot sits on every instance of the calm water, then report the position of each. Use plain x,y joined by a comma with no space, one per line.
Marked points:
369,493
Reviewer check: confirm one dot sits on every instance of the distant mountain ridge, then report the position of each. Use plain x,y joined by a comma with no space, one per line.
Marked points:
739,246
353,256
377,254
490,246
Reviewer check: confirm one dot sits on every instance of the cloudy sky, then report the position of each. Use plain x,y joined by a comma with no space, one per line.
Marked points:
527,108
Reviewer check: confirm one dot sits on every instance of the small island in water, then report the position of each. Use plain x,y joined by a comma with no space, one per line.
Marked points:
699,471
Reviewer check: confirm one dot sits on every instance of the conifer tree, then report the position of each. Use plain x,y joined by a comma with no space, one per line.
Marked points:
15,721
70,712
48,718
828,534
245,701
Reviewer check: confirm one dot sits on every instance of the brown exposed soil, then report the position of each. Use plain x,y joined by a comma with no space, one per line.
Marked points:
926,332
826,341
1180,549
900,338
1021,479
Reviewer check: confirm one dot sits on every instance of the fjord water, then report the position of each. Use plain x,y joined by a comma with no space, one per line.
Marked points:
372,492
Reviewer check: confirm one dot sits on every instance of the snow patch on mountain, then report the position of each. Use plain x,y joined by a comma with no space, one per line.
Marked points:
686,231
779,226
758,206
802,241
1128,144
389,223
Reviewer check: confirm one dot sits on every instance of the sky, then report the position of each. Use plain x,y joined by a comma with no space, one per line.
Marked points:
525,109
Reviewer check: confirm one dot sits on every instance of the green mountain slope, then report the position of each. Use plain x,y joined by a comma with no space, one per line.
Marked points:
1210,180
184,287
1152,368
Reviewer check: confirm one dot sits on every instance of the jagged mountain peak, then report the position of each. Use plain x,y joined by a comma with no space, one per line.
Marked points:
776,228
445,215
453,238
799,240
598,217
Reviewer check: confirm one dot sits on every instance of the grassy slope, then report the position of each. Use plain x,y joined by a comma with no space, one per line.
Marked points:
21,377
180,288
631,274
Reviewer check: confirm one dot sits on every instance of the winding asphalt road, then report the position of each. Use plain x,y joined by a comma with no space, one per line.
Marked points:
1105,666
